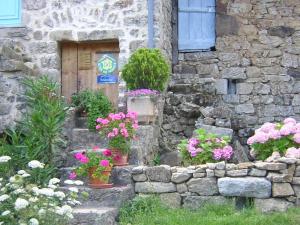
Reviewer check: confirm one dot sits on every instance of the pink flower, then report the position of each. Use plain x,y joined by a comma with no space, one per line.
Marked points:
267,127
78,156
115,131
98,127
274,134
297,138
122,125
293,153
261,137
102,121
122,115
131,115
110,135
135,126
193,154
117,157
290,121
193,141
104,163
227,152
251,140
217,154
72,175
106,152
287,129
124,132
84,159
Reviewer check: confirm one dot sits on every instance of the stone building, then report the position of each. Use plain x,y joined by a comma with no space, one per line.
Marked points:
246,74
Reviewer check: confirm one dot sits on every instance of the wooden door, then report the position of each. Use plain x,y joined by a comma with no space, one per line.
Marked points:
81,65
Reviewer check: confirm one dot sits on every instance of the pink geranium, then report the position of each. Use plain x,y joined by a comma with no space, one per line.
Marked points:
107,152
72,175
104,163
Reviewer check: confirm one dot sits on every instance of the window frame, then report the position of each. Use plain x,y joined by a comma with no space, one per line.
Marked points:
19,23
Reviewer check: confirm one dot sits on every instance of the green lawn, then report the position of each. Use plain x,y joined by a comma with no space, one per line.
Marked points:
150,211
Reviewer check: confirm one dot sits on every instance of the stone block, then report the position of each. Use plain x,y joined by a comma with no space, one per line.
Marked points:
281,31
181,188
237,173
244,88
178,178
199,175
139,177
171,158
222,86
297,171
270,166
257,173
244,108
34,4
172,200
62,35
296,180
159,173
245,187
272,205
200,186
196,202
220,173
282,190
154,187
279,178
234,73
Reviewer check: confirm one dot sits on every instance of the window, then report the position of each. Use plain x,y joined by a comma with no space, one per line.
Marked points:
196,25
10,12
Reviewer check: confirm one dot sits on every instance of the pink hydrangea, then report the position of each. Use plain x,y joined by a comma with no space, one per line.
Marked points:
293,153
72,175
251,140
274,134
290,121
261,137
287,129
296,138
225,153
104,163
267,127
217,154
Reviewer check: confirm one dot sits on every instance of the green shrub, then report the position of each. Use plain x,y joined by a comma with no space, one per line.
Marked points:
94,103
38,136
146,68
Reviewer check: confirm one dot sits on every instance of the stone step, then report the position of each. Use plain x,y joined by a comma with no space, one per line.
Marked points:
94,216
109,197
81,122
83,138
120,175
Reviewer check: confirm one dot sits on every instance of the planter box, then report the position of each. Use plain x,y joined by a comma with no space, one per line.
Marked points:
148,108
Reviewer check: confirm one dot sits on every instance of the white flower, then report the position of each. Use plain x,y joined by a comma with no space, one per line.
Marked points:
73,189
35,190
21,203
33,221
78,182
21,172
54,181
60,195
3,198
35,199
36,164
42,212
46,191
69,182
26,175
5,213
64,210
19,191
4,159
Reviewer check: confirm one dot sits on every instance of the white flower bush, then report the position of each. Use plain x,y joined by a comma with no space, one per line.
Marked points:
22,202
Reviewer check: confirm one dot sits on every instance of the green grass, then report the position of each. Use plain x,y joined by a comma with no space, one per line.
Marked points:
150,211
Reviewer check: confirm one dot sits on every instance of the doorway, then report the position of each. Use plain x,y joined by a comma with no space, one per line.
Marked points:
92,65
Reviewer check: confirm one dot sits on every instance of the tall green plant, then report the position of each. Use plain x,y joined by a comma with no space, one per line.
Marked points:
38,135
146,68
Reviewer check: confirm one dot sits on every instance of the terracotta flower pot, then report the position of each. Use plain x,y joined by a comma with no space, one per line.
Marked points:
98,182
119,159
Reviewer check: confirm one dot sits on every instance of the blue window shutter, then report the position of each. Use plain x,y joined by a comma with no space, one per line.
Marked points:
196,25
10,12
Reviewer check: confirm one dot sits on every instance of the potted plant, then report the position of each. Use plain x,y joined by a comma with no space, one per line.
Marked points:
91,104
96,165
205,147
120,129
146,75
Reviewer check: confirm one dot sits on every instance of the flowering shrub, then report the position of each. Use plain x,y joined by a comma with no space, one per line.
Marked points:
22,202
205,147
281,137
101,161
120,128
141,92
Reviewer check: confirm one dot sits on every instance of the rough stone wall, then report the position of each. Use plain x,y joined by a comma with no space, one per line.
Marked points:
274,186
14,67
163,27
258,49
46,23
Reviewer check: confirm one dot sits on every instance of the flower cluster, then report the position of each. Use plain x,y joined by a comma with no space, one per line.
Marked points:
96,160
293,153
23,202
205,147
142,92
119,128
225,153
271,137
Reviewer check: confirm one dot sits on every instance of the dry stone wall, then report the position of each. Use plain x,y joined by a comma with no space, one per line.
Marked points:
274,186
254,72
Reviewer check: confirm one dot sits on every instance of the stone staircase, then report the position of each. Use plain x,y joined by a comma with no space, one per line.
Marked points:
102,205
